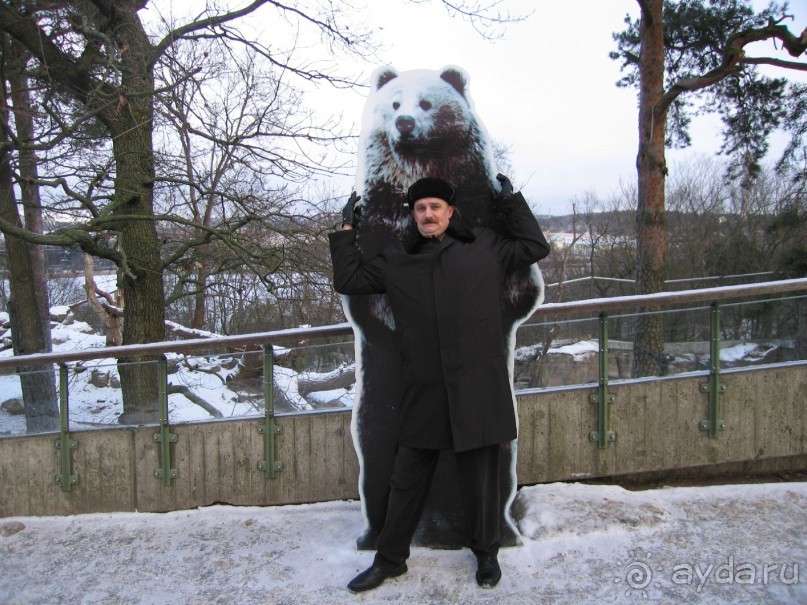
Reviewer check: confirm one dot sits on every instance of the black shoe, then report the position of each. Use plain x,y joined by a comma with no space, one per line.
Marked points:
374,576
488,573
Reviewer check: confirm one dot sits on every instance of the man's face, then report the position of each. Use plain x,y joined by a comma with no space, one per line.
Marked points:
432,215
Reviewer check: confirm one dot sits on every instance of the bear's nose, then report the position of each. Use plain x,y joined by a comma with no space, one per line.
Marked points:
405,124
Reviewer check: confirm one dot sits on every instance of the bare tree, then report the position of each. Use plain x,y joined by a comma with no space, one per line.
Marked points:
99,58
223,165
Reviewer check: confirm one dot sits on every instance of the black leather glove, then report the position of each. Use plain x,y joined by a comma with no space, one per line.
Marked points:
350,213
507,186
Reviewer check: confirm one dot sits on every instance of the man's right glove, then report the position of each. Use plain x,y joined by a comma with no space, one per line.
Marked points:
350,213
507,186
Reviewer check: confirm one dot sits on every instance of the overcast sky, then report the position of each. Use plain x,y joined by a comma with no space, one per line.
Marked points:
547,89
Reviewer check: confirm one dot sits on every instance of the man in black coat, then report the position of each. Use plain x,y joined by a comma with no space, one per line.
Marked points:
445,283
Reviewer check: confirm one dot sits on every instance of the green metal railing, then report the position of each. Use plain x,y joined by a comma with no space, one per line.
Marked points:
269,429
603,435
713,387
604,400
165,437
65,444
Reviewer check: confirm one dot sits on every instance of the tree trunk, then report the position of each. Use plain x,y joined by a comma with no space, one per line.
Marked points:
27,330
650,217
28,306
23,111
129,121
113,320
143,322
200,300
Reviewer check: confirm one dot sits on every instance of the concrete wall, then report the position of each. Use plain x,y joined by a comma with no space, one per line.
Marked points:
656,425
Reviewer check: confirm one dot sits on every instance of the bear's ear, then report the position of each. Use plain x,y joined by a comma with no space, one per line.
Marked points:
383,76
456,77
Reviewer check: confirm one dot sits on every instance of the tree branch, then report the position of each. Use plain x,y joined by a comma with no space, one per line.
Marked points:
202,24
63,238
733,55
60,66
185,390
485,15
774,62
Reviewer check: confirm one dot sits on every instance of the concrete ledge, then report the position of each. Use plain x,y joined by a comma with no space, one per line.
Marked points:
656,424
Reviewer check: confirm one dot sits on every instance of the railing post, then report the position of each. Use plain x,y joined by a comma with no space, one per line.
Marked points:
269,429
165,437
603,435
66,479
713,387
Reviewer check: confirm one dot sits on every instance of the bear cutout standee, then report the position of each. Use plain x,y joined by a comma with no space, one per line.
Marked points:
419,123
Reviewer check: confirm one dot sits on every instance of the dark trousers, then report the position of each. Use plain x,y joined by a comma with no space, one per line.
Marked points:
409,488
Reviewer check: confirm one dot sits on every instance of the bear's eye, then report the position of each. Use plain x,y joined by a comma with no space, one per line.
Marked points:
425,105
396,105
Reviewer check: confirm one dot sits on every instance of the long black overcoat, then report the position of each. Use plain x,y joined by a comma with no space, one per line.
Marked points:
446,298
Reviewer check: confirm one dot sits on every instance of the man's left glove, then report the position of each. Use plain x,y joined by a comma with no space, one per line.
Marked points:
350,213
507,186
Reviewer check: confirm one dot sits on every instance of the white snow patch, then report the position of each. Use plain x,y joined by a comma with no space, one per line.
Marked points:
581,544
744,351
578,350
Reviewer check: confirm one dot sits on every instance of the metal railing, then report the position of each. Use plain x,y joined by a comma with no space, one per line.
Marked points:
593,306
551,314
262,344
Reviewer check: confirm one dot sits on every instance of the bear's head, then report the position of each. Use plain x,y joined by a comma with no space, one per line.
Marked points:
422,123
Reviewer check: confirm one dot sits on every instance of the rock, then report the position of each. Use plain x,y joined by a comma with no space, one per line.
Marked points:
60,313
14,407
99,379
10,528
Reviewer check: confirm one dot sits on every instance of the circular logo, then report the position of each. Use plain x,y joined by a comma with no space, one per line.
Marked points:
638,575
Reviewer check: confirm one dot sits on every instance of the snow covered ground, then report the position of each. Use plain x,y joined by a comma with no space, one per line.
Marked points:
581,544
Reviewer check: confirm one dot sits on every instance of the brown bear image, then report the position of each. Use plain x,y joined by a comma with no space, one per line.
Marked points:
419,123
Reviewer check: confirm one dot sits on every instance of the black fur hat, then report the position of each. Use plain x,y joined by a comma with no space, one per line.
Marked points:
430,186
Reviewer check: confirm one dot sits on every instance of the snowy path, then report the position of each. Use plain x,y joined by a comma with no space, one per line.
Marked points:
582,544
